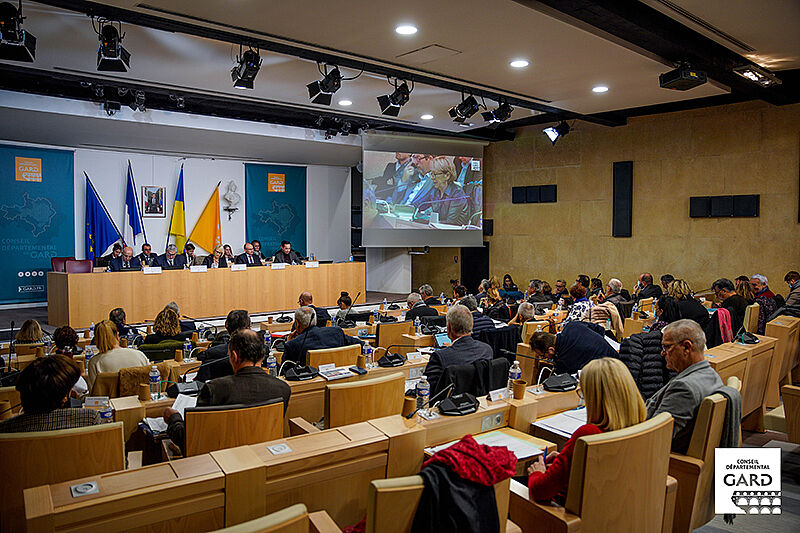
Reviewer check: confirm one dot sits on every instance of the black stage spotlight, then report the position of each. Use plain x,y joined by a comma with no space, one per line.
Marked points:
391,103
137,104
501,114
321,91
15,43
111,56
461,112
555,133
246,69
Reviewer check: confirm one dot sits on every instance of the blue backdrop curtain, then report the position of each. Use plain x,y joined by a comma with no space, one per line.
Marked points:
37,218
276,216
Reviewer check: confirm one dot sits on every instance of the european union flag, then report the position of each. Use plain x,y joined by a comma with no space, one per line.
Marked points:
101,232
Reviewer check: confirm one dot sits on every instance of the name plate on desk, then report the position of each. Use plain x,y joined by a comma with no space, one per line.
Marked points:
499,394
413,356
238,268
329,366
198,268
312,264
151,270
278,266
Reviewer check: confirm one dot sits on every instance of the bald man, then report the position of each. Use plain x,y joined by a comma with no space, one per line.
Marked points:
126,261
306,300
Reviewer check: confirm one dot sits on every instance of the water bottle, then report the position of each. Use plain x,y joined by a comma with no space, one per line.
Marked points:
560,304
377,316
366,350
267,340
351,258
417,325
201,329
272,365
635,308
385,304
106,414
155,379
187,349
441,296
88,353
515,372
423,393
608,324
91,330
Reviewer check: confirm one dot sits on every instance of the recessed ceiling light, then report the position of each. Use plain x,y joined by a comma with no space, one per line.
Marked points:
599,89
345,102
426,116
519,63
406,29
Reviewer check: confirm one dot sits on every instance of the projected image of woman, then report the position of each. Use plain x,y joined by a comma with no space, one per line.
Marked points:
448,198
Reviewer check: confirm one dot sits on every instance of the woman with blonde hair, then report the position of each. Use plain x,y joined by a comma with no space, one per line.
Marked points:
217,258
447,198
495,307
612,402
30,333
111,357
166,326
688,306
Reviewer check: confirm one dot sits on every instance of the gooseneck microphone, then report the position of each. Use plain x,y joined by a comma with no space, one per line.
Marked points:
426,404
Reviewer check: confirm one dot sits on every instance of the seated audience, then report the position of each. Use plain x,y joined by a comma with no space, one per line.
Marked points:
344,302
480,322
765,300
525,312
30,333
792,279
584,280
606,315
111,357
547,290
459,291
682,346
535,293
613,293
496,307
306,300
641,353
417,307
745,290
666,311
666,279
44,388
306,335
508,284
249,257
426,291
688,305
577,344
646,288
237,320
581,304
735,304
66,341
483,289
166,327
229,257
760,288
171,260
146,258
126,261
117,316
287,255
462,351
612,402
595,287
249,384
217,258
186,325
561,293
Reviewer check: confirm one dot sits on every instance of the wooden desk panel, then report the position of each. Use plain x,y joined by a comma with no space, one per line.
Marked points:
785,329
79,299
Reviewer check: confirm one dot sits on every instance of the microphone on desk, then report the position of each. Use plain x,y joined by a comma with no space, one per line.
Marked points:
393,359
283,319
193,387
534,357
426,404
208,324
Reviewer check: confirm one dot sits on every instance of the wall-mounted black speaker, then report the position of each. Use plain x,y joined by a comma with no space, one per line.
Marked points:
722,206
488,227
622,218
532,194
518,195
746,205
548,194
700,206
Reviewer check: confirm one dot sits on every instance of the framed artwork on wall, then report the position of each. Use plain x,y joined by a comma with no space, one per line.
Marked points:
153,201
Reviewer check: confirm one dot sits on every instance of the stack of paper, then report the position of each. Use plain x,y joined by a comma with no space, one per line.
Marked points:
522,449
182,402
565,423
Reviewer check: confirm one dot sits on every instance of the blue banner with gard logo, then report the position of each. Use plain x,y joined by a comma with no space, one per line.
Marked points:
37,217
275,204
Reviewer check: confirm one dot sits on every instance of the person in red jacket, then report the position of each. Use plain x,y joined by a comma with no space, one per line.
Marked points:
612,402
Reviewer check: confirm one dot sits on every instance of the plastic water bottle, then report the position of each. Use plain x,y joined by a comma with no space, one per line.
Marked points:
441,296
155,379
385,304
272,365
351,258
201,329
423,393
267,340
187,349
560,304
106,414
377,316
515,372
366,350
417,325
88,353
91,330
635,308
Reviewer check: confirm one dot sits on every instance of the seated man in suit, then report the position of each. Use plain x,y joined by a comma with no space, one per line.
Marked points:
124,262
248,385
534,293
646,288
249,257
188,255
147,258
117,316
307,336
480,322
287,255
682,346
426,291
464,349
577,344
416,307
171,260
323,317
215,360
729,299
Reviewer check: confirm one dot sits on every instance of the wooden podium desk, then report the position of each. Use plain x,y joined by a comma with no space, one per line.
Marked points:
80,299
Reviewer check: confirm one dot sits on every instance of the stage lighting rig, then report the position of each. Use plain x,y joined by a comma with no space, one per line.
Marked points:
111,55
15,43
555,133
246,69
390,104
464,110
500,114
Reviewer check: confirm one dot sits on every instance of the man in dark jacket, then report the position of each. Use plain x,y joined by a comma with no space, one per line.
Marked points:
735,304
249,384
462,351
792,278
306,300
170,260
307,336
577,344
287,255
426,291
215,360
646,288
641,353
480,322
416,307
534,294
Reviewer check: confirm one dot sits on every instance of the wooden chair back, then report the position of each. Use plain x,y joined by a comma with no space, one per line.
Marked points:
42,457
751,318
629,465
365,399
341,356
632,326
441,309
389,333
106,384
27,349
791,409
292,519
125,382
10,395
533,325
646,304
215,428
787,330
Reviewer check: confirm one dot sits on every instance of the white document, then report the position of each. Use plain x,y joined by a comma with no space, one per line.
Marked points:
564,424
156,424
182,402
522,449
614,344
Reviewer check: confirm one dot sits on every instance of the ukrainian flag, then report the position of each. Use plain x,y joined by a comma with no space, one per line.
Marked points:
177,226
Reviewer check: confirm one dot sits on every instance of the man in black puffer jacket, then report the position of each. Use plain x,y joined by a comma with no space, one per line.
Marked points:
641,353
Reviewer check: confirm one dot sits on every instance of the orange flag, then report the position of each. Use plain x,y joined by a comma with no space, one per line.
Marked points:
207,232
